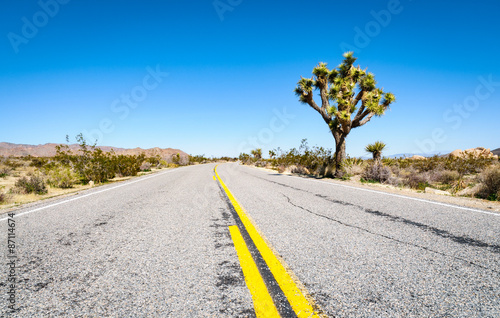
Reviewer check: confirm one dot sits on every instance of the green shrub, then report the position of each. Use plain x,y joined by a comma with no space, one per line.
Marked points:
490,184
128,165
91,163
12,163
316,159
34,184
38,162
62,177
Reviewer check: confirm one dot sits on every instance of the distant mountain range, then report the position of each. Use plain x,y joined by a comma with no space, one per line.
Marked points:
496,152
49,150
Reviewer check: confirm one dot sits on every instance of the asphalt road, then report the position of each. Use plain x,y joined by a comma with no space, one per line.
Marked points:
160,246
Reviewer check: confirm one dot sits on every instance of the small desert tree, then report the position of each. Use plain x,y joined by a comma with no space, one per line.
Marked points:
345,92
376,150
257,153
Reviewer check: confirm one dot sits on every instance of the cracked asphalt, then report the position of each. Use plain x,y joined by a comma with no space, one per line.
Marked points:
160,246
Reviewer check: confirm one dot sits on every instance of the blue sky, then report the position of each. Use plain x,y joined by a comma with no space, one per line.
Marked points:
232,66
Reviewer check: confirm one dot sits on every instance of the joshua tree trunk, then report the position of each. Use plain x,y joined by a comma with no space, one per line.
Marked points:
377,156
340,154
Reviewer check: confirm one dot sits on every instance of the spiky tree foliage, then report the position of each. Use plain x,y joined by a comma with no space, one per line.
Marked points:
257,153
376,150
349,99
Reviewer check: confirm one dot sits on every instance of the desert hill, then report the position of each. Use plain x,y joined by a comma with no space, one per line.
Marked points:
48,150
496,152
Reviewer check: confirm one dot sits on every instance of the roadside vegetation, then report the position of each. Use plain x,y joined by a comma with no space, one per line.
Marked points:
466,176
26,179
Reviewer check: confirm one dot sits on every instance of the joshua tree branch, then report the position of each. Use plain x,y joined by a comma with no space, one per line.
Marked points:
358,98
323,91
365,120
321,110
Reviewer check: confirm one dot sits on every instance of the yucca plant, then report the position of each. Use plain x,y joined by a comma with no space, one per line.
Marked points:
376,150
349,99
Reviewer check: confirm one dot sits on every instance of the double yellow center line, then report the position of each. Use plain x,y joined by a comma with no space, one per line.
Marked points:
298,298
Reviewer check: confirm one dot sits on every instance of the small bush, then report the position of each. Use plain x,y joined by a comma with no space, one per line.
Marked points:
418,181
490,184
4,172
38,162
395,181
13,164
299,169
377,172
62,177
4,198
146,166
34,184
445,176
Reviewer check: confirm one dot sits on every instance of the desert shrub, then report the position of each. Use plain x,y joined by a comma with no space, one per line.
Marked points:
245,158
62,177
395,181
198,159
490,183
176,159
299,169
416,180
377,172
315,159
33,184
154,160
353,166
4,172
38,162
91,163
445,176
4,198
128,165
146,166
13,163
389,162
464,166
163,163
261,163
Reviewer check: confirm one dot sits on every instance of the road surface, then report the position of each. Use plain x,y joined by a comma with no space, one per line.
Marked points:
167,245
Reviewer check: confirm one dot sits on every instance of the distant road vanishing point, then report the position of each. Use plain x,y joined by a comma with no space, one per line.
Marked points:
236,241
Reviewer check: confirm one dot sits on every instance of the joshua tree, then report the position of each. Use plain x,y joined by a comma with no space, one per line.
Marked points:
376,150
257,153
272,154
345,87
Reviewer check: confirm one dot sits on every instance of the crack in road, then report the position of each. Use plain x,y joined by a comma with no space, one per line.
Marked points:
386,236
465,240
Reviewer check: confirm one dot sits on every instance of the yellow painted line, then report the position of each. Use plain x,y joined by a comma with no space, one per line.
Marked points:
214,177
298,298
262,301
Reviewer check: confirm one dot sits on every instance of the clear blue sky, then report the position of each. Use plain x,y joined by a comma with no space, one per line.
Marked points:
232,68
